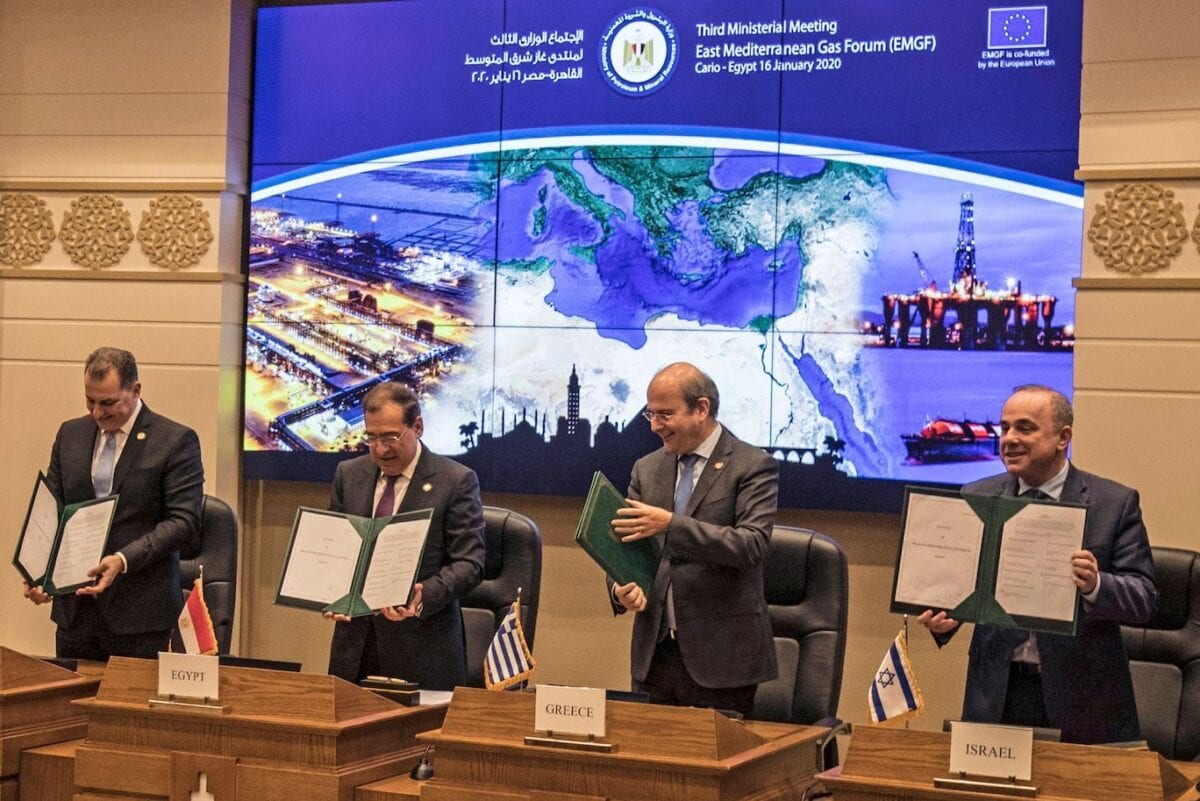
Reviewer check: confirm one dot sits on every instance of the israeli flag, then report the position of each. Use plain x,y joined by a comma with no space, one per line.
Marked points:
894,694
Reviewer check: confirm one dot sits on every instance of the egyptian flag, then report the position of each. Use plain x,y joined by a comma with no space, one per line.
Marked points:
194,633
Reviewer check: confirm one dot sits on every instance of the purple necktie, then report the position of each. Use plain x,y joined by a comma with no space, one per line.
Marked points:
387,501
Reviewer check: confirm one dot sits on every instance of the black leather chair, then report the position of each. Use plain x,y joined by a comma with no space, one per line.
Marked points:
807,585
216,549
513,560
1164,657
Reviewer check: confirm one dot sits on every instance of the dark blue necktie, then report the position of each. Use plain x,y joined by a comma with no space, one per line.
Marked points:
1036,494
687,482
683,493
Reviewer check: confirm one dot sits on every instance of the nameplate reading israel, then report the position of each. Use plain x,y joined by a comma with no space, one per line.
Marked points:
979,749
570,710
188,676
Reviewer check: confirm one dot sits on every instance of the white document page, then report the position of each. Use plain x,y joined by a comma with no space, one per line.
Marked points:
37,540
394,563
82,544
324,554
1033,577
939,558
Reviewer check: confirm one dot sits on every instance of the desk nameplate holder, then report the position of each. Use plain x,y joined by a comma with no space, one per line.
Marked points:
579,713
205,705
189,682
590,744
980,786
996,756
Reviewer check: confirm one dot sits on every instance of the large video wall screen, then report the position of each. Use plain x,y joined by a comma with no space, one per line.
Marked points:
859,218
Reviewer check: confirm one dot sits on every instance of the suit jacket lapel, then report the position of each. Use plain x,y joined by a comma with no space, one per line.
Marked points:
662,493
363,502
139,435
424,475
1075,487
712,468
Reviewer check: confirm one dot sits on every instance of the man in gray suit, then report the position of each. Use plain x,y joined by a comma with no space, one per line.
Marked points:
1079,684
703,636
153,464
423,641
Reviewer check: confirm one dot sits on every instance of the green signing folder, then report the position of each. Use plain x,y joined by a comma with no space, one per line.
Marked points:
994,559
352,565
623,562
58,543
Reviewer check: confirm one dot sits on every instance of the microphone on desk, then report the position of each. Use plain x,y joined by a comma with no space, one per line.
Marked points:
424,769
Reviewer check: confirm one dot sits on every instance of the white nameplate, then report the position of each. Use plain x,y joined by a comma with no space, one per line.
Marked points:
979,749
187,676
570,710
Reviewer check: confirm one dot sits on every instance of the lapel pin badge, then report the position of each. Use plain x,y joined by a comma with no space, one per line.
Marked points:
718,465
141,435
427,486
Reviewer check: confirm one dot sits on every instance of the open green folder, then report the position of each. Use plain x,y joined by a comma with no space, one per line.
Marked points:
623,562
991,559
352,565
41,557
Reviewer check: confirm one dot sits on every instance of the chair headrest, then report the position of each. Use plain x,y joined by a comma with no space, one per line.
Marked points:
1177,576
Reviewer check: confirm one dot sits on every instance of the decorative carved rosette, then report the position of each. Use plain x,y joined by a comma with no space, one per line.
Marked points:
175,232
96,231
26,229
1140,228
1196,232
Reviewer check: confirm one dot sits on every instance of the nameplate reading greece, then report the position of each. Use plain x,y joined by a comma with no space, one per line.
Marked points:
570,710
59,544
352,565
990,559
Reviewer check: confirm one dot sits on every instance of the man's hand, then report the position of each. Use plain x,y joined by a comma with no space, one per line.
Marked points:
630,596
35,594
104,573
398,613
338,616
638,520
1085,571
938,624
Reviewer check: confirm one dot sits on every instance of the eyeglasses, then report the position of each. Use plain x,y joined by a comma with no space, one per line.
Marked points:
388,439
661,417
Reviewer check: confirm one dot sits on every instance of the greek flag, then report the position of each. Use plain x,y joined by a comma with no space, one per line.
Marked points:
508,661
894,694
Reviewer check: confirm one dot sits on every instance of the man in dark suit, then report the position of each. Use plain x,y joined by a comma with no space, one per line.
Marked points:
154,465
1078,684
423,641
703,636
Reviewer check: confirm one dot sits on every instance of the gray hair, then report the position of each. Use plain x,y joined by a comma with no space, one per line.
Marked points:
102,360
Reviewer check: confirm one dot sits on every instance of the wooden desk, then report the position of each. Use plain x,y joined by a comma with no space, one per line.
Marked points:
35,710
661,754
884,764
285,736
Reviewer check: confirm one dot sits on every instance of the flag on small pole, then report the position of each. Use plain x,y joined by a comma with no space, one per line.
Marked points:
509,661
194,633
894,693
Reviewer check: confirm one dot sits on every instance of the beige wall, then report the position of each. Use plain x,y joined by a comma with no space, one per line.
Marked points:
130,101
1137,365
137,98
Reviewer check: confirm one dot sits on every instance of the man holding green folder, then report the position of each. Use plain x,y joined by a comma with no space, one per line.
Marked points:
702,636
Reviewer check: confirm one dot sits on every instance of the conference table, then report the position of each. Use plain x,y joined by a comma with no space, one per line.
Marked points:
102,733
280,736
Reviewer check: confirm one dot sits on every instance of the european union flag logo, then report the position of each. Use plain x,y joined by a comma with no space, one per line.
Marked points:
1016,27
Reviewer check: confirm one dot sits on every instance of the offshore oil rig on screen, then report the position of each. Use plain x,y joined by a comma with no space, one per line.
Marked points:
969,316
